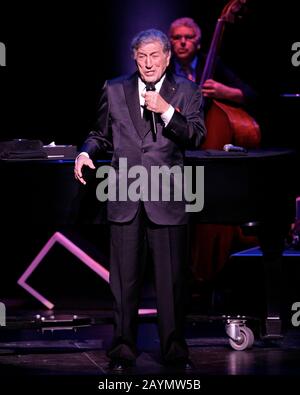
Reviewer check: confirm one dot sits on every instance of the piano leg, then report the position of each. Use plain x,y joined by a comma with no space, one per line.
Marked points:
271,237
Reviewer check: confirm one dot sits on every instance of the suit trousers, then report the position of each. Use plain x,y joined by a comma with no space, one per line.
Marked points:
168,248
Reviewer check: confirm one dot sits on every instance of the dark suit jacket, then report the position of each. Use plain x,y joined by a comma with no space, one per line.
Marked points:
121,128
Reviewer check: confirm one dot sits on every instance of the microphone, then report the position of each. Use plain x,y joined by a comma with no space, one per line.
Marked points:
150,86
234,148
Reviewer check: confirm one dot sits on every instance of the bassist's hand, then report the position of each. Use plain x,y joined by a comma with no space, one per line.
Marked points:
216,90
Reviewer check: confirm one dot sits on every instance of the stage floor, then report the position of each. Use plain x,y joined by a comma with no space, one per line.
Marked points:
32,355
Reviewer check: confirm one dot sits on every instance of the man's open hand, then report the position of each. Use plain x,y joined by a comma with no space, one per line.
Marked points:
81,161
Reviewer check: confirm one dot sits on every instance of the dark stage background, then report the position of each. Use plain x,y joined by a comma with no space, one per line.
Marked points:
58,57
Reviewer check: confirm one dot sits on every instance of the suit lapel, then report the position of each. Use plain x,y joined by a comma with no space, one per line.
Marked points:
169,88
132,99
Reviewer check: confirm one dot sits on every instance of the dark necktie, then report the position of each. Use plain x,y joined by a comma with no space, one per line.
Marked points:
188,73
148,116
146,112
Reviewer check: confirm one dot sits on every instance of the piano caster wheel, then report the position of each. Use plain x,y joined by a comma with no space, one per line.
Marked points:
240,336
250,336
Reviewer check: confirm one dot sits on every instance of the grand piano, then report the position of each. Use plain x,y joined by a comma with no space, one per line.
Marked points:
255,188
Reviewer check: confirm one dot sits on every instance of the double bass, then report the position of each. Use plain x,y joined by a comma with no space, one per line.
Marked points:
227,124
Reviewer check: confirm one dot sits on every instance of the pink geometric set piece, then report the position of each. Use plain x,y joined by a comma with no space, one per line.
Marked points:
58,237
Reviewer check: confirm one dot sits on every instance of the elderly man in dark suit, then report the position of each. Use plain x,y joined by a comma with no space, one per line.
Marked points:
149,119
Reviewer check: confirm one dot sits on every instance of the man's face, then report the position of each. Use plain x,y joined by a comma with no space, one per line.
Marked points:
184,43
151,61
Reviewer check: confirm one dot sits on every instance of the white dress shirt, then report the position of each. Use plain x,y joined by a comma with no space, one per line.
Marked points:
167,115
